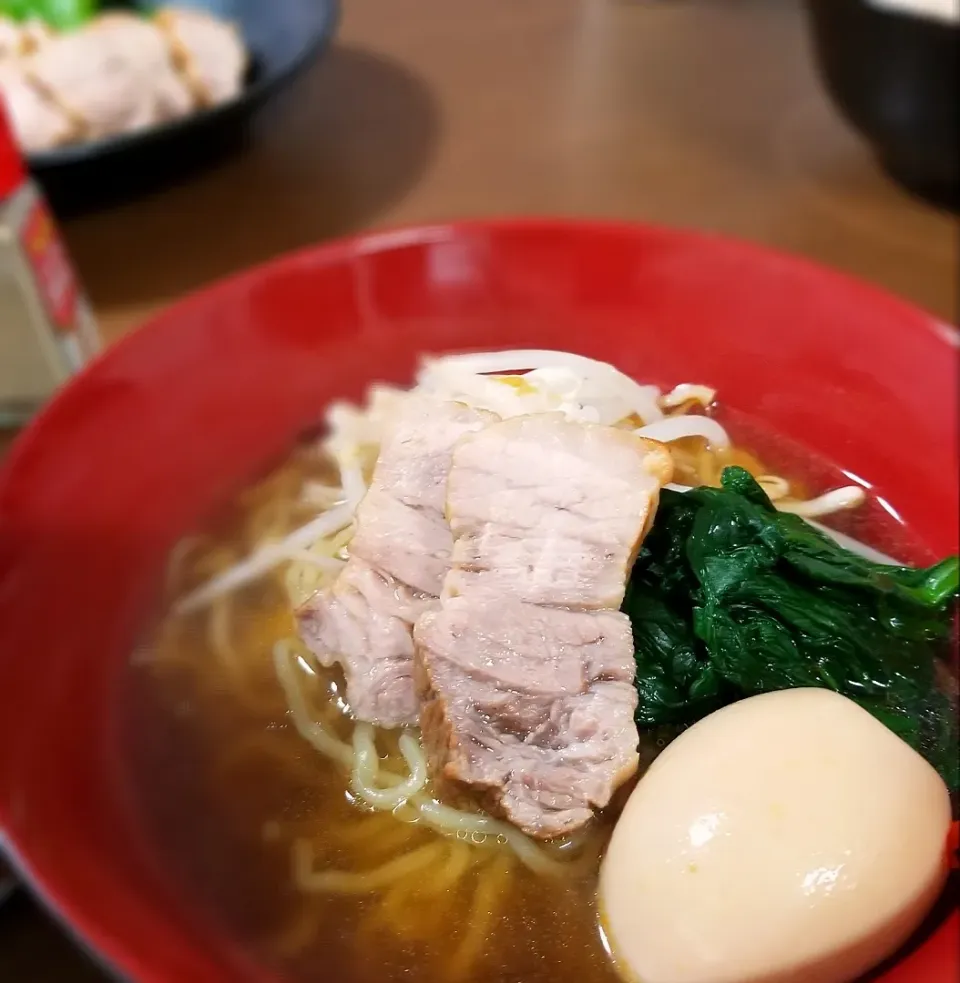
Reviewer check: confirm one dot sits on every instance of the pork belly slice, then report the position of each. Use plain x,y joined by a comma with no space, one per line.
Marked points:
526,669
401,527
529,709
398,558
364,623
552,511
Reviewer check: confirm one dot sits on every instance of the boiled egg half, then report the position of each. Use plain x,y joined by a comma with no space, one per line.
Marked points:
788,837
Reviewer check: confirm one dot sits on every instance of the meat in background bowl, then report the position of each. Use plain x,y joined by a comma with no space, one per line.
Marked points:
231,832
111,143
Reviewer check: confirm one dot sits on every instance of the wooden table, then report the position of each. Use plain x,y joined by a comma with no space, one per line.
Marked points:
701,113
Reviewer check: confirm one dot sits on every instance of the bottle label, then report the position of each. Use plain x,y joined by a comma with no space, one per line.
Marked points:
45,252
57,285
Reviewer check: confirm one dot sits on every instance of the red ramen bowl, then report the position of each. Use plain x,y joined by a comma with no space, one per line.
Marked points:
163,428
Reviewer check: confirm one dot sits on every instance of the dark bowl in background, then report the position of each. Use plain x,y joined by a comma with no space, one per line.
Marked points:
896,78
282,36
7,883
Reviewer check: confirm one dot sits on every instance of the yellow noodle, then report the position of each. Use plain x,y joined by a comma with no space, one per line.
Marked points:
444,818
406,912
775,486
178,560
269,523
398,912
295,938
453,822
316,495
407,909
212,562
308,728
707,470
391,838
486,902
343,882
830,502
461,859
259,696
738,457
366,769
407,813
173,650
372,826
302,579
325,565
284,481
260,751
219,635
425,918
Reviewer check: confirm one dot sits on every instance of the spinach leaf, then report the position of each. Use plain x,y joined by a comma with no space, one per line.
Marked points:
730,598
678,677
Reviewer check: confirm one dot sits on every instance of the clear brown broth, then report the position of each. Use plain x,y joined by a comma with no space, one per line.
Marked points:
225,784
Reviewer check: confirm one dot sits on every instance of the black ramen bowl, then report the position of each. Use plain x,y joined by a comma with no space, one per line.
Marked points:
895,76
282,37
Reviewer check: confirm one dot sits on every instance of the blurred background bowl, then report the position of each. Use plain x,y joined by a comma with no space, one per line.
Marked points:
7,883
283,36
894,76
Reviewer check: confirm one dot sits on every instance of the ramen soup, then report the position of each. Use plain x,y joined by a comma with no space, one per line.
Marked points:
405,715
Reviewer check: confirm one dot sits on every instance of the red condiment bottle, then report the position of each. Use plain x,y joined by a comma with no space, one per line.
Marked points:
46,329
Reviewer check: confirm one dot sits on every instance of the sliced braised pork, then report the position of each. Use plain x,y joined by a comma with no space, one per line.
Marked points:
525,670
398,558
38,123
114,76
528,708
364,622
552,511
18,39
10,38
209,52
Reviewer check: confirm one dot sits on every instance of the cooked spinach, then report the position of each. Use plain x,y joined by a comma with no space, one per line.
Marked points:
730,598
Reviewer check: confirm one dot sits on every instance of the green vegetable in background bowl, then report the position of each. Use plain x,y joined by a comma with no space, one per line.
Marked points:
64,15
730,598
